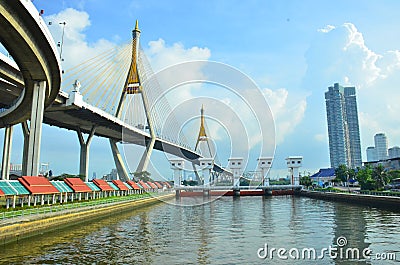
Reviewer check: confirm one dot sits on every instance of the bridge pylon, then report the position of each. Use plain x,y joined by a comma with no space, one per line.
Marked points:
208,158
133,86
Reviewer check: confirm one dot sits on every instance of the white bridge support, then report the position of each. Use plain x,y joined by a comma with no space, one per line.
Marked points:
206,165
5,165
35,135
264,164
119,163
293,164
236,165
84,158
177,165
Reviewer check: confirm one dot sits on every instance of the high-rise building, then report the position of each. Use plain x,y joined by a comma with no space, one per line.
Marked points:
394,152
381,146
371,154
343,127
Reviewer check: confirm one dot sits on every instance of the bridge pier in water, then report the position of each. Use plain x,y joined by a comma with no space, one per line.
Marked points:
265,163
177,165
206,165
293,164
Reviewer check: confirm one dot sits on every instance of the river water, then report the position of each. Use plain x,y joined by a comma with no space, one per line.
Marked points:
226,231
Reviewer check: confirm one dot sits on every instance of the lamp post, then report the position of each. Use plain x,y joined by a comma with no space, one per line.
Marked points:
62,39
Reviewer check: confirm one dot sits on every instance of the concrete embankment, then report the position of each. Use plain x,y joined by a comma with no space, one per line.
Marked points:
387,202
34,225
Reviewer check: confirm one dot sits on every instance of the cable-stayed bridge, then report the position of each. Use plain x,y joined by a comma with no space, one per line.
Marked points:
113,95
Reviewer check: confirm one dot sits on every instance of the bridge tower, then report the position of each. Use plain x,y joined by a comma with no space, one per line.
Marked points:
208,157
293,164
203,135
134,87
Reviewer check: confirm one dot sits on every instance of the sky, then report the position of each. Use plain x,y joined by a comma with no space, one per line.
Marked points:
292,50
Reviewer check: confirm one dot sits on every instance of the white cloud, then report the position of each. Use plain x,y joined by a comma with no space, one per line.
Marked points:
162,55
326,29
76,49
288,112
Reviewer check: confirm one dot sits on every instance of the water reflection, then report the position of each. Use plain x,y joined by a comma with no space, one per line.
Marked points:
225,231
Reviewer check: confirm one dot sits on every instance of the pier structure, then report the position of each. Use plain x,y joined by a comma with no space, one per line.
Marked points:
293,164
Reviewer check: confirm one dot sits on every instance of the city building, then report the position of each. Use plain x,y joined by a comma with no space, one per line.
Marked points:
381,146
343,127
394,152
371,154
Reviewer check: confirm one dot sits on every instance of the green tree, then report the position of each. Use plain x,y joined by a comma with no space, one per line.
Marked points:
393,174
142,175
380,176
305,181
342,173
364,178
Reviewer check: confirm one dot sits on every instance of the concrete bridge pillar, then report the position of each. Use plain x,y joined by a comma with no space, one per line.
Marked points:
84,158
177,165
236,165
264,164
35,134
206,165
293,164
119,163
5,165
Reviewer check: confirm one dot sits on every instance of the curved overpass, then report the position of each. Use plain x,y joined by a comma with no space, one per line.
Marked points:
25,36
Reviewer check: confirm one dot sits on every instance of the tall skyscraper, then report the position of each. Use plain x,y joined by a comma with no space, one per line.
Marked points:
343,128
381,146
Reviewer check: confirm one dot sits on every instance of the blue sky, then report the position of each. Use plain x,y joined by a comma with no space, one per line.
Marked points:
293,50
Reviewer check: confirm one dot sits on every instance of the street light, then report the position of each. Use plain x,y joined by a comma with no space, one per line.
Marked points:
62,39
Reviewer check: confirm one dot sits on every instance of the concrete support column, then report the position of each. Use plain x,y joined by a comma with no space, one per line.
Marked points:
14,201
29,200
84,158
35,135
177,165
144,161
293,164
264,164
206,165
119,163
25,131
236,165
5,165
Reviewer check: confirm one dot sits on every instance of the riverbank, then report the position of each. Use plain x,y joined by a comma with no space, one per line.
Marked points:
27,226
387,202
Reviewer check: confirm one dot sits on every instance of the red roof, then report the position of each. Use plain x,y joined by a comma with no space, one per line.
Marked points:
144,185
152,185
160,186
119,184
38,185
1,193
102,184
133,185
167,184
77,185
